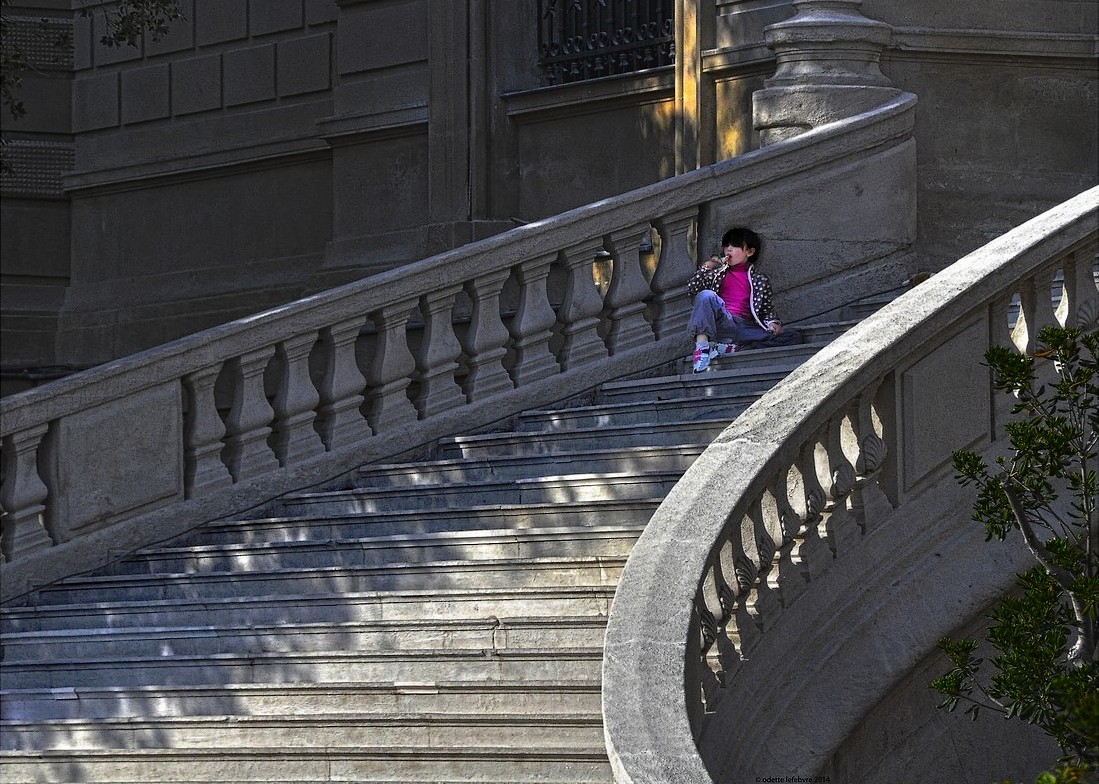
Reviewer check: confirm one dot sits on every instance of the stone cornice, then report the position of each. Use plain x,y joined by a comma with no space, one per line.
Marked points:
738,58
397,122
992,43
594,95
197,167
927,42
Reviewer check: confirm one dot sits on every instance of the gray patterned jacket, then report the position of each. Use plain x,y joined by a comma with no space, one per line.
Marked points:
761,300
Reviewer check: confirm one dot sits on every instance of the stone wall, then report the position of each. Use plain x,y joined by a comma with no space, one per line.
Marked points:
201,190
1008,111
924,742
37,152
264,151
268,150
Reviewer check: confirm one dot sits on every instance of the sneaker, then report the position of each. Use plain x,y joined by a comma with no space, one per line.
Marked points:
721,349
702,359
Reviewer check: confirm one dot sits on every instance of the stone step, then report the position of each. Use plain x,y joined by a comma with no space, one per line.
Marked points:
614,460
723,381
643,413
858,311
474,664
334,732
371,765
485,445
622,402
482,545
414,523
401,635
531,490
746,363
453,697
338,580
499,602
826,331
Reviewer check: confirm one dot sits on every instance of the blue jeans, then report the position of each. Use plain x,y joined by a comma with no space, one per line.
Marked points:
709,317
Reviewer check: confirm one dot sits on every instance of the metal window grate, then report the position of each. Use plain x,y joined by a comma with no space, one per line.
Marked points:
588,39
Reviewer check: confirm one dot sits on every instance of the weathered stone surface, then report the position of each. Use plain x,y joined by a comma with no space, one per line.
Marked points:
128,462
368,93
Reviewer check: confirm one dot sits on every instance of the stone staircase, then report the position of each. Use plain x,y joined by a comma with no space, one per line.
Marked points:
436,620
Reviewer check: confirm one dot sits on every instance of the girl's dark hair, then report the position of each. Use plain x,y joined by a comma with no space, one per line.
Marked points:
741,237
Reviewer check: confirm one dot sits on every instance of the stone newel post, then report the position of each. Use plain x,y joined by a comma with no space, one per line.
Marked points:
828,68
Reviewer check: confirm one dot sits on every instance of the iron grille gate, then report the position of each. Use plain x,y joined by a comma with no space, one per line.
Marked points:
586,39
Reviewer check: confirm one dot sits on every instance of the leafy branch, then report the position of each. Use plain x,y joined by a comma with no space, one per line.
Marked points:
125,24
1047,662
132,18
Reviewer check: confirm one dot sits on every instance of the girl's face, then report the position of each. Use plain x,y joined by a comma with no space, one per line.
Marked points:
735,256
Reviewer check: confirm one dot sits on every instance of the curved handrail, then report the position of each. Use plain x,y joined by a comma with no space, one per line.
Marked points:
227,419
715,569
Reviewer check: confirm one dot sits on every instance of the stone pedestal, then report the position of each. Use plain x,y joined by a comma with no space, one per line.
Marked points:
828,69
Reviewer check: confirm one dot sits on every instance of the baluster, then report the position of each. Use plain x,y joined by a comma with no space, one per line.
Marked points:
296,400
868,424
1022,334
745,569
248,425
23,495
669,302
723,651
887,415
869,503
829,483
700,680
1000,326
789,492
1035,312
704,631
581,309
810,549
439,353
391,371
1080,300
1047,310
843,526
339,420
486,341
532,327
203,433
763,549
785,577
709,606
628,292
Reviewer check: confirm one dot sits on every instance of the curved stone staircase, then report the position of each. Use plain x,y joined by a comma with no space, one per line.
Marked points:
438,620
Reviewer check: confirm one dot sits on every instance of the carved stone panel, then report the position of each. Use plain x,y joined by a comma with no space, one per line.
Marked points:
119,457
950,378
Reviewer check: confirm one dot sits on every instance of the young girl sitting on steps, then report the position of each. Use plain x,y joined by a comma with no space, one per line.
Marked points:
733,308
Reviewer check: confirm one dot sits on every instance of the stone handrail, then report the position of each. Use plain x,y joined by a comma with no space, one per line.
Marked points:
805,475
140,449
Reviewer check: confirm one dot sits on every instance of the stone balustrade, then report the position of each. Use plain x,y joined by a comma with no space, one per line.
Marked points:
142,448
804,478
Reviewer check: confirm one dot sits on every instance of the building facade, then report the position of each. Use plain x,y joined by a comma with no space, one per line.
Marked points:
261,152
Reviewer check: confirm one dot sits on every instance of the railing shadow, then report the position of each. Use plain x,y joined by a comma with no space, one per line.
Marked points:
299,395
339,611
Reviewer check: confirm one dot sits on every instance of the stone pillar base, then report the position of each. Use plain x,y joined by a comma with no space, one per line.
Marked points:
781,113
828,69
